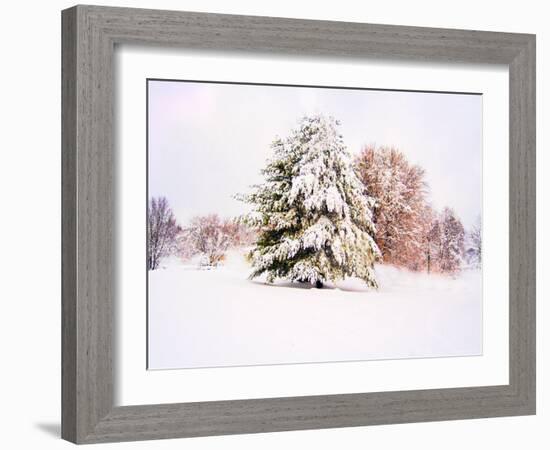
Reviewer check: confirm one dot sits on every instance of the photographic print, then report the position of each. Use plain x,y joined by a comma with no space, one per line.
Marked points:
306,224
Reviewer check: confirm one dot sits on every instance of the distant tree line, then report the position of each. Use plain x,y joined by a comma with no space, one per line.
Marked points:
208,236
320,215
409,232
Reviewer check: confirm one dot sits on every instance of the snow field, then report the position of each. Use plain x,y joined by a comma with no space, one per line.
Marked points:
218,317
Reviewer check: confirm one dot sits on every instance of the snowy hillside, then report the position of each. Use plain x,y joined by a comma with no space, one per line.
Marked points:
218,317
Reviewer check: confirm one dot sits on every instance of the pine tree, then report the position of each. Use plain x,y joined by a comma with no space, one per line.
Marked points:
313,217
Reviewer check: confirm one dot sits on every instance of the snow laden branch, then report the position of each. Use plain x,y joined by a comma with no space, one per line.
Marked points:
314,220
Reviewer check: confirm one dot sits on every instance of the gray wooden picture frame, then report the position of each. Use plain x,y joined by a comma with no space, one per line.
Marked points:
90,34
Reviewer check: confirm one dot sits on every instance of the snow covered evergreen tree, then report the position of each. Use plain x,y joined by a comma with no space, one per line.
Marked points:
313,216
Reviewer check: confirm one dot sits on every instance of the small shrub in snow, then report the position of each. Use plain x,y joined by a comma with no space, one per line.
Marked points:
210,237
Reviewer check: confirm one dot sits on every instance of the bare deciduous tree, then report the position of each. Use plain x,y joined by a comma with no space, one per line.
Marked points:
162,232
241,234
432,240
399,190
452,242
474,244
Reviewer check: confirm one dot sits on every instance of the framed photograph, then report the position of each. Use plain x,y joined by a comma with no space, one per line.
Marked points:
278,224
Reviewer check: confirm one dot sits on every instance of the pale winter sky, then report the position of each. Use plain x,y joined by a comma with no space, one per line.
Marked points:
208,142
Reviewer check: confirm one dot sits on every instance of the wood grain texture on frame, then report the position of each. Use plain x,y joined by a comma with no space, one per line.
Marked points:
88,201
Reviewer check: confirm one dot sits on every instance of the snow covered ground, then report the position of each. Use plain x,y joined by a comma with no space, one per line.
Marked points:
217,317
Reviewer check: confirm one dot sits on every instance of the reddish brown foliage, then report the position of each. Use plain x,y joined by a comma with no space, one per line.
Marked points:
399,190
